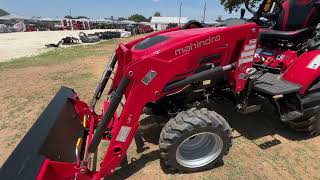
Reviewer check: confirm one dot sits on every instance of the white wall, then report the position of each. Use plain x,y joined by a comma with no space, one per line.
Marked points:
159,26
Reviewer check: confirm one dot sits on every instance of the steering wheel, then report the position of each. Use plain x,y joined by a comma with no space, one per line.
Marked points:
262,12
192,24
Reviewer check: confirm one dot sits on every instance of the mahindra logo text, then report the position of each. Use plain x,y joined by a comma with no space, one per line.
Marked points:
196,45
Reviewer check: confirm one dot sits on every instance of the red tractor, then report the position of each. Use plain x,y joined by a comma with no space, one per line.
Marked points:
176,73
289,40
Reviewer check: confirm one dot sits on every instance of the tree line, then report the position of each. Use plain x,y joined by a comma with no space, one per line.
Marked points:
229,6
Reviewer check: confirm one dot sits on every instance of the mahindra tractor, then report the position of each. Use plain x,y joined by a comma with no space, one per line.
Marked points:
177,74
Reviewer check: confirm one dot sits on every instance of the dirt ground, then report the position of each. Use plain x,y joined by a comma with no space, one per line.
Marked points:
262,147
20,44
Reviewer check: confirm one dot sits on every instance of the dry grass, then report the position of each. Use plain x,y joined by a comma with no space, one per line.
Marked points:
28,84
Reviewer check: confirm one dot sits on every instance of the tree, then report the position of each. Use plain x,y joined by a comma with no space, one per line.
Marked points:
219,19
137,18
157,14
234,5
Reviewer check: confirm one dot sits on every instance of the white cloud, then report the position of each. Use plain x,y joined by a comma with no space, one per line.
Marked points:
155,0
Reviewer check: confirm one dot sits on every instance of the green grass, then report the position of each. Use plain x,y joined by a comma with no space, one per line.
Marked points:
60,55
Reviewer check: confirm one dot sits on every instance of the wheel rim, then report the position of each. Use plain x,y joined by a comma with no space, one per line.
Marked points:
199,150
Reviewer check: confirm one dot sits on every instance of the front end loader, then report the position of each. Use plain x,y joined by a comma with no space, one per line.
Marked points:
175,73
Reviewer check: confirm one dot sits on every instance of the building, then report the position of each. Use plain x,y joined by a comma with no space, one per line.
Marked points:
76,24
233,22
162,23
3,12
212,23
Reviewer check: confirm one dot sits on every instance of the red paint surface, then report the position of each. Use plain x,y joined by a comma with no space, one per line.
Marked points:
299,72
285,7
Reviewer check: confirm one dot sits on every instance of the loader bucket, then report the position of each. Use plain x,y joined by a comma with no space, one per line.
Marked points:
53,136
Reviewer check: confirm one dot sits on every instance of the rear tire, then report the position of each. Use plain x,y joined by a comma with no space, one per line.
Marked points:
195,140
310,121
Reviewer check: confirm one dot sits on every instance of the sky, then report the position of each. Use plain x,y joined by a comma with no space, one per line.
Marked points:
117,8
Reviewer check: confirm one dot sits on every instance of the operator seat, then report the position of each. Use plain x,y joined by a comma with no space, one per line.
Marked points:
297,19
297,14
269,34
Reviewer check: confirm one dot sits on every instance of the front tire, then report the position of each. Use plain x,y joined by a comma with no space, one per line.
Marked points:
195,140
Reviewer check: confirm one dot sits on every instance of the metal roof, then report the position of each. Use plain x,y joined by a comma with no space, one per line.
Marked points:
102,20
49,19
3,12
212,22
168,20
14,16
232,22
126,22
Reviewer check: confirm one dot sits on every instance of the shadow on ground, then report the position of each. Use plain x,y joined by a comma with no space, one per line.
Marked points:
259,124
136,165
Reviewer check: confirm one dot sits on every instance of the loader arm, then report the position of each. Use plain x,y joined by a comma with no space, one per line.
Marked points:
147,80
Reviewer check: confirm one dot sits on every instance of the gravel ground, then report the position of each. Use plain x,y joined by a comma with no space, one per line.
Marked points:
21,44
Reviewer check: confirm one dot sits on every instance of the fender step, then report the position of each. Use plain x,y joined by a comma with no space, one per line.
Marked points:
272,84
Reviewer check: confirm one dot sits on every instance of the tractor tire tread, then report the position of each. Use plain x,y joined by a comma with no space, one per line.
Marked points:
186,122
310,121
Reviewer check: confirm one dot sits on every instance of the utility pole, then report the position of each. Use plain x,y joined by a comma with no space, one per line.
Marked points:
180,12
204,12
70,12
243,12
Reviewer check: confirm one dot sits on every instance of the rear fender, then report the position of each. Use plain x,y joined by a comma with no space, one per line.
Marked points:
305,70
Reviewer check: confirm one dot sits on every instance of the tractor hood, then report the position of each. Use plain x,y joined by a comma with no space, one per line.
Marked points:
167,46
192,47
176,43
